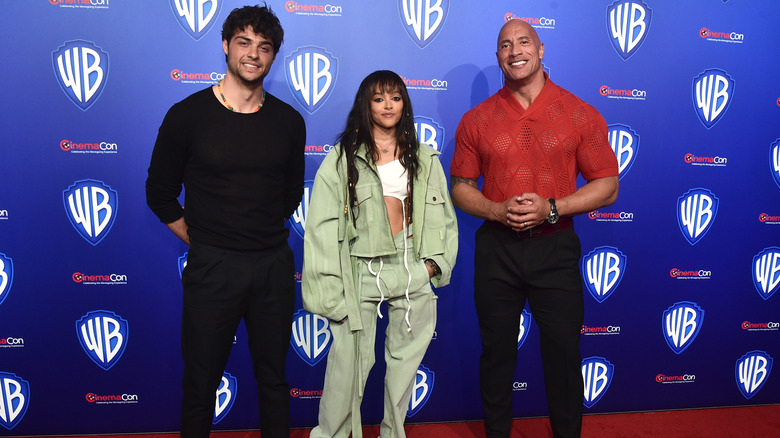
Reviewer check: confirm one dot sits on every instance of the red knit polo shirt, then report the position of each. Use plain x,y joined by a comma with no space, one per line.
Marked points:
539,150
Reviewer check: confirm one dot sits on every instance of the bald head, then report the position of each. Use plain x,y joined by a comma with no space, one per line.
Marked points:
509,28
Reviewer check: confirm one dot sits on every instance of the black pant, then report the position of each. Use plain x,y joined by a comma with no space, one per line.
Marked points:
544,271
220,288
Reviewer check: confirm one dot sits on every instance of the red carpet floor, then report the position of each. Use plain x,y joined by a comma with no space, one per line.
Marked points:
741,422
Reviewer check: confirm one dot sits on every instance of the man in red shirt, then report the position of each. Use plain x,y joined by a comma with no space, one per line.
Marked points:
529,141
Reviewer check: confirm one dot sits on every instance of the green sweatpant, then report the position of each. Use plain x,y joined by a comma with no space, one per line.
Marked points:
351,353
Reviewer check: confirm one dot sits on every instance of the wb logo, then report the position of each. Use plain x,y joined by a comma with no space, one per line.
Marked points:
6,276
696,211
774,160
681,324
183,263
603,269
226,396
81,68
311,74
766,272
525,327
91,207
713,90
625,144
751,371
429,132
298,218
422,390
597,374
103,336
423,19
14,399
196,16
627,25
310,337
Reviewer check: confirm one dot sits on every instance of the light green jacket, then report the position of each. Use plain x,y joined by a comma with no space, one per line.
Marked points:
330,266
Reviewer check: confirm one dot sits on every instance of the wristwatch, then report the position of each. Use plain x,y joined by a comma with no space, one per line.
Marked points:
553,217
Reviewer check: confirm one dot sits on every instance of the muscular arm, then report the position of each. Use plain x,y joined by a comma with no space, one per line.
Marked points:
179,228
595,194
467,197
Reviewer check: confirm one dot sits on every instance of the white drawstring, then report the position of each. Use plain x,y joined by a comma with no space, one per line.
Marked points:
376,274
408,273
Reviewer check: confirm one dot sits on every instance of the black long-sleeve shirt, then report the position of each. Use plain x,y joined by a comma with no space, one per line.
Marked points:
242,173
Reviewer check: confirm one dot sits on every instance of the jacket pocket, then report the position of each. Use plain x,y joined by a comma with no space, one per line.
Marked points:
365,221
434,224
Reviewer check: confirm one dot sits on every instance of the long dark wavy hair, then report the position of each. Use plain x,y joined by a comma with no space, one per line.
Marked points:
359,129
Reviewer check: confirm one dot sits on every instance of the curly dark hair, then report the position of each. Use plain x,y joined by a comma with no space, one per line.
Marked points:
262,20
358,132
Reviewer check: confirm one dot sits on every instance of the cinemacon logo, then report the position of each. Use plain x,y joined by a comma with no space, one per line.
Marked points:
690,158
433,83
694,273
78,277
707,33
624,215
661,378
293,6
605,329
12,341
297,392
178,75
92,398
763,217
747,325
67,146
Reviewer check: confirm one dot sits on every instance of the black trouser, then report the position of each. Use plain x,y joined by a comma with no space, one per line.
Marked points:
544,271
220,288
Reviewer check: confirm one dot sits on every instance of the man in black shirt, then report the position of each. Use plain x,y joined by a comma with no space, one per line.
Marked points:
239,153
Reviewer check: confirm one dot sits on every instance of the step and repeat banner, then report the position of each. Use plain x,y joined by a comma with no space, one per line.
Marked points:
681,274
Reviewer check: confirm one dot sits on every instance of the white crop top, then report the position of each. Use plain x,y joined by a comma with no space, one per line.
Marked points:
394,183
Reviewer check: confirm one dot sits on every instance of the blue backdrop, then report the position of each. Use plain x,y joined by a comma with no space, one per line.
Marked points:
681,274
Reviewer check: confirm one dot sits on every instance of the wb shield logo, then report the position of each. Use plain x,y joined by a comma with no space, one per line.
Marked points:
525,327
81,68
696,211
298,218
423,19
597,374
713,91
429,132
774,161
103,336
766,272
91,208
422,390
751,372
183,263
6,276
625,144
311,74
627,24
14,399
681,324
226,396
196,16
310,337
602,270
